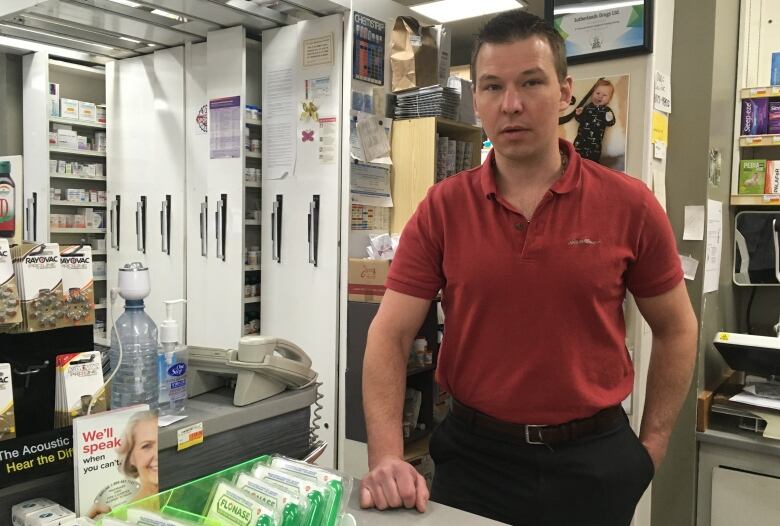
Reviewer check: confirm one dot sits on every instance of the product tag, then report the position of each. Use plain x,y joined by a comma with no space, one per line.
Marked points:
231,506
270,495
189,436
147,518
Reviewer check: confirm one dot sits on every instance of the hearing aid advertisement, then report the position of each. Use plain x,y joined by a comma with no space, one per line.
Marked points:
35,456
596,120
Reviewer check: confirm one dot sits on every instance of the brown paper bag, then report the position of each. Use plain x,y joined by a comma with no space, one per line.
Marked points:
413,55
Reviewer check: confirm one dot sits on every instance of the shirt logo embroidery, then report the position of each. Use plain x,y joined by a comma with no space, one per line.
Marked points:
585,241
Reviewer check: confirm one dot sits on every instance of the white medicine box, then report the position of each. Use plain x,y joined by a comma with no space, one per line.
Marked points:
67,139
54,99
69,108
87,111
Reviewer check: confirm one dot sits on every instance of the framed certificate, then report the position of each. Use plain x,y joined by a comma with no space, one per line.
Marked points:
602,29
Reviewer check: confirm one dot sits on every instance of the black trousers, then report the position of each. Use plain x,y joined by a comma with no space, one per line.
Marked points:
595,481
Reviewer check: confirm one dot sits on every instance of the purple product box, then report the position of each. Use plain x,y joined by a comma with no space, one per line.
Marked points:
773,125
755,113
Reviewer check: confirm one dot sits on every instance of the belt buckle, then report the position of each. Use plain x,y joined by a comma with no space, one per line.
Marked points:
528,435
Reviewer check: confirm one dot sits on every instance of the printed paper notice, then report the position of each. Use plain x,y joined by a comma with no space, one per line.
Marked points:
279,125
328,141
714,245
689,266
370,185
225,128
694,223
317,51
373,139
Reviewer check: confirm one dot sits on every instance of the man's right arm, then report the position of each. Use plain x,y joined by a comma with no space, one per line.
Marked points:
391,482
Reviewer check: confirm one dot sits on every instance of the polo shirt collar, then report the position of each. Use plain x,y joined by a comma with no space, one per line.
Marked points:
570,180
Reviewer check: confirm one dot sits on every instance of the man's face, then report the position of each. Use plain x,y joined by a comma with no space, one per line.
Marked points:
518,97
601,95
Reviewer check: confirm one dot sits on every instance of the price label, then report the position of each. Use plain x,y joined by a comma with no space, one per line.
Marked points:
758,91
776,139
189,436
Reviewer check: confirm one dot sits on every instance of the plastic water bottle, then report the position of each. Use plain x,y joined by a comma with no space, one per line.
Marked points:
136,381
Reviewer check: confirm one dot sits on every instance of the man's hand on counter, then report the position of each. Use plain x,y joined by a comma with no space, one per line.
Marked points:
393,483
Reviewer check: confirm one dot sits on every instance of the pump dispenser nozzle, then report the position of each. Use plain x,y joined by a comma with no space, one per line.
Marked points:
169,329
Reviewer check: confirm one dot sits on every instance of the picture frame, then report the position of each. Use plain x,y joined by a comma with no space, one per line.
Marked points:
595,30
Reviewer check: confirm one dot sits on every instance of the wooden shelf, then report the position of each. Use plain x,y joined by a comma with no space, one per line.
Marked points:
254,122
251,268
255,299
759,140
253,155
755,200
85,204
760,92
73,151
78,230
441,121
79,177
78,123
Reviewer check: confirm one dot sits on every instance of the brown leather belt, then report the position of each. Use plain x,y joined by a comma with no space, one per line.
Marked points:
603,421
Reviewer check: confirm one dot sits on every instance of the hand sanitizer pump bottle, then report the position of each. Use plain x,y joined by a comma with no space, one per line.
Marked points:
134,343
172,365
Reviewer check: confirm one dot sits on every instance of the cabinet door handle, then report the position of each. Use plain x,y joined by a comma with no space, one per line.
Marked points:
221,223
28,222
204,227
276,229
35,216
140,224
314,228
115,221
165,225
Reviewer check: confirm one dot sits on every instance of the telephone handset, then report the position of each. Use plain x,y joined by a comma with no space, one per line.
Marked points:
277,357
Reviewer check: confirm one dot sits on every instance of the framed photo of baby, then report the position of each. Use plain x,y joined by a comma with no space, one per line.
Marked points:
596,121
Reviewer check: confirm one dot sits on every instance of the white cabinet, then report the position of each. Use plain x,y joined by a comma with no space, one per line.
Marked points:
146,196
217,208
300,245
740,497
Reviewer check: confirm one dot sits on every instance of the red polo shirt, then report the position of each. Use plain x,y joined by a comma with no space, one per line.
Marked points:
534,309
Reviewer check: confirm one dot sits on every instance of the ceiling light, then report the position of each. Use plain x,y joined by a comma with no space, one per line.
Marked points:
53,35
127,3
28,45
587,8
134,41
166,14
450,10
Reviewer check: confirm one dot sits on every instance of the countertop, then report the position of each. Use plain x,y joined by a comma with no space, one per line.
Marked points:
435,515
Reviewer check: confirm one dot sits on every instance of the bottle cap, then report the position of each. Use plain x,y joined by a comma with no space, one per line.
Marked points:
5,167
169,328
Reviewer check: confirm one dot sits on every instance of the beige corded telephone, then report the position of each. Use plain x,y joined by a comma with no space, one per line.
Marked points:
263,366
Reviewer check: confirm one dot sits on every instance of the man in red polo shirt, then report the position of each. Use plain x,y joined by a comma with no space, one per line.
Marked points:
533,252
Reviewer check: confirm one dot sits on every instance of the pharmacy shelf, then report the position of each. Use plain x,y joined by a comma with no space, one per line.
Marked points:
759,140
78,230
84,204
78,123
73,151
100,306
99,278
254,155
755,200
757,93
254,122
255,299
80,177
253,185
99,252
251,268
101,341
252,222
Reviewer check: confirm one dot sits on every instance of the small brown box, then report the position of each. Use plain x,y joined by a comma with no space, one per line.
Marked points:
366,280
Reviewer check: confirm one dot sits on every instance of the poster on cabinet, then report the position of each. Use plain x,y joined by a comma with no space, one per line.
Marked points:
596,121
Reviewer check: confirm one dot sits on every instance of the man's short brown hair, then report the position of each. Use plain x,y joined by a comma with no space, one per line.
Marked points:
519,24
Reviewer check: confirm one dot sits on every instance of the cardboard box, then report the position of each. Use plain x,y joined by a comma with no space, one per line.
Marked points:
54,100
752,176
772,177
87,111
773,123
366,279
100,113
755,113
69,108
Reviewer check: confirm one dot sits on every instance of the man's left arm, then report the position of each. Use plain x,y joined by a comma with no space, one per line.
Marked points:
674,326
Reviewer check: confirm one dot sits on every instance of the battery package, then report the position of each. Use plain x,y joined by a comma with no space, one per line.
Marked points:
7,419
78,386
10,311
78,286
39,278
